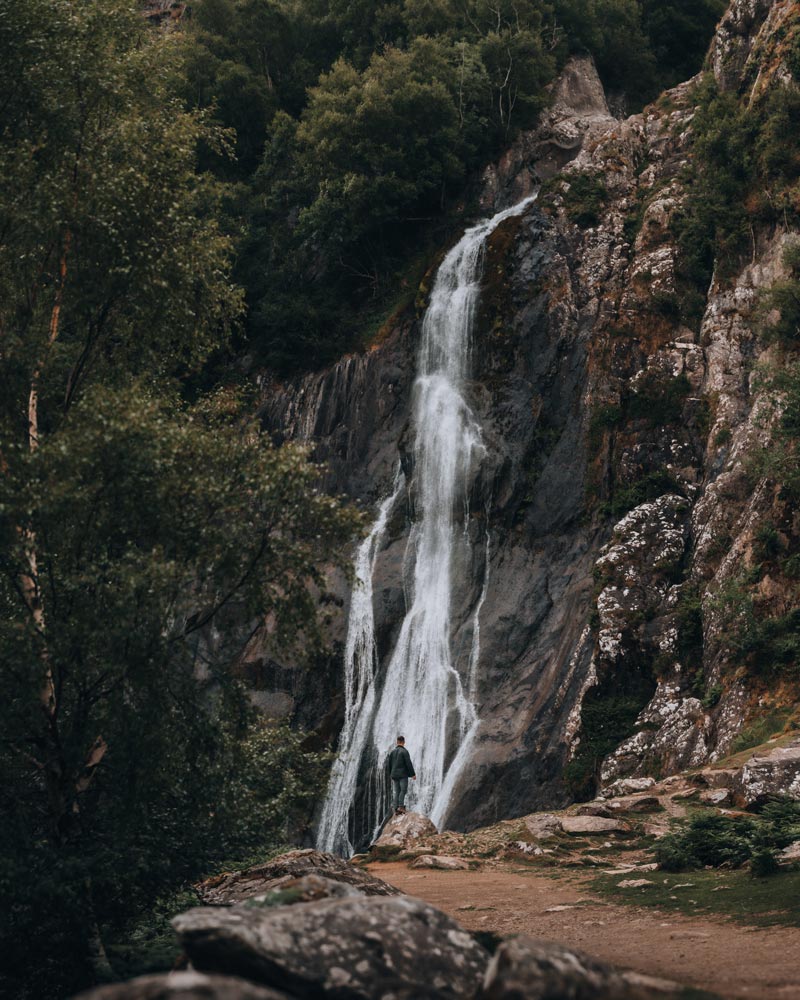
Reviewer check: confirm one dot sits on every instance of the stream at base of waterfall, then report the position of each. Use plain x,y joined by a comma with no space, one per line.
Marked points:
425,693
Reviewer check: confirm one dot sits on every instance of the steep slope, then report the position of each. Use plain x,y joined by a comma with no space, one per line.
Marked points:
618,406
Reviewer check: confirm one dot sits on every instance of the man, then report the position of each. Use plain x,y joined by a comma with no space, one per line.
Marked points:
400,770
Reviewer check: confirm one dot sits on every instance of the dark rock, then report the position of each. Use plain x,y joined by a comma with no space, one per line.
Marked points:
635,804
523,969
350,949
184,986
234,887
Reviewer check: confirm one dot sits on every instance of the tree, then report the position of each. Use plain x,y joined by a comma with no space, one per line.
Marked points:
150,519
128,521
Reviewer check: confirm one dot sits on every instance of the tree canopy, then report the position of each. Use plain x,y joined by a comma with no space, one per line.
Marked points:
360,128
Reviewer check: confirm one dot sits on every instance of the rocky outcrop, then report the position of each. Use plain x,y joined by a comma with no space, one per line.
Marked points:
769,775
349,949
285,873
405,831
577,112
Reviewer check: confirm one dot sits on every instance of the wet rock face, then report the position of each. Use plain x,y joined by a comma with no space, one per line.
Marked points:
285,874
355,949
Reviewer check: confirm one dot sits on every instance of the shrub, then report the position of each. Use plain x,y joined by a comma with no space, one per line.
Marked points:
649,487
710,839
585,199
659,401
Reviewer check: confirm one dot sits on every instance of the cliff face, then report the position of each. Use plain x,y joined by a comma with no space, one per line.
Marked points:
617,424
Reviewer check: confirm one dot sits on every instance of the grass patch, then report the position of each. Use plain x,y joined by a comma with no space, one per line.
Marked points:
761,730
737,895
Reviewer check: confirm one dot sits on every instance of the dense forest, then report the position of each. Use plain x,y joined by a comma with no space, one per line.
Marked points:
266,182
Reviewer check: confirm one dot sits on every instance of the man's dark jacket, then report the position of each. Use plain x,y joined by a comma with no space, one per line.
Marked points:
400,765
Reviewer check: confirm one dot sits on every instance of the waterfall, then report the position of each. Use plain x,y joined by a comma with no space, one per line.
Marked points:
426,693
360,664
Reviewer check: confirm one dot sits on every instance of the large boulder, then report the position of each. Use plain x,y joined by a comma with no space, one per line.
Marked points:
406,830
183,986
769,775
542,826
235,887
523,969
591,825
444,862
350,949
628,786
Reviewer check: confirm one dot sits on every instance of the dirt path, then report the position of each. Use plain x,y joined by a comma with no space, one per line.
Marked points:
720,956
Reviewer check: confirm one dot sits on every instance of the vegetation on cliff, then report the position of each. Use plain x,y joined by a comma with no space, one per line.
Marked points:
359,128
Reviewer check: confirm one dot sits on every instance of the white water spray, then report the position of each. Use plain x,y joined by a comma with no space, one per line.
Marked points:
423,695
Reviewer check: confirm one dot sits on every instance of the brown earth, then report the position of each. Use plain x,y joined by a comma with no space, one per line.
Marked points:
715,955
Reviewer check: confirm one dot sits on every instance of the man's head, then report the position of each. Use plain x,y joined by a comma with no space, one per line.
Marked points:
401,741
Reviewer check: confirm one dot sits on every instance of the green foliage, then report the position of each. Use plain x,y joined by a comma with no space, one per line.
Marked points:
709,839
767,542
650,487
780,306
712,696
760,730
689,614
604,418
585,199
658,400
358,128
608,717
744,171
109,235
717,841
131,523
150,521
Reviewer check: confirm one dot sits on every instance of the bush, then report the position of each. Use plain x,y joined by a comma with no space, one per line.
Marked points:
649,487
659,401
710,839
716,841
585,199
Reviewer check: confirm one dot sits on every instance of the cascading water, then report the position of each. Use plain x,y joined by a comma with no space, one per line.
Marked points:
426,693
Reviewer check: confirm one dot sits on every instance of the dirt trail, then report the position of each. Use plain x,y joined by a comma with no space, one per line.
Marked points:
720,956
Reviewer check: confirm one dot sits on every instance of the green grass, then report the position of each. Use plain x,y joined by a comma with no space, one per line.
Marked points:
762,729
760,902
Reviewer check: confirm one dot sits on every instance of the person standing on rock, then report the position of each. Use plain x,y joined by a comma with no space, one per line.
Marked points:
400,770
